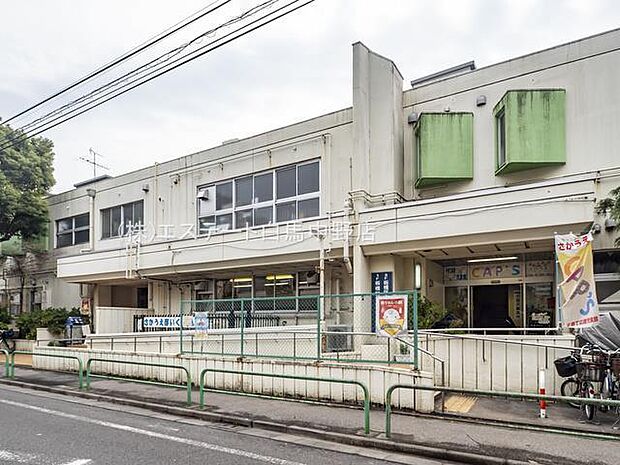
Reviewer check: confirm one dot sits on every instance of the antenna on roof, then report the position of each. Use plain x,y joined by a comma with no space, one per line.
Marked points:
93,162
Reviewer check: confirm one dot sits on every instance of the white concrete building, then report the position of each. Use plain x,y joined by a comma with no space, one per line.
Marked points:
466,167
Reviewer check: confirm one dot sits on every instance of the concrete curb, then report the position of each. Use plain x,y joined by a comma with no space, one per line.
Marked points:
352,440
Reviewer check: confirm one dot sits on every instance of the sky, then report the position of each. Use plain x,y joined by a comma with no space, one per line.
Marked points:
293,69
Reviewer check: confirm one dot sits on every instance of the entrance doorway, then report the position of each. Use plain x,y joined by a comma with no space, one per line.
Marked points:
491,308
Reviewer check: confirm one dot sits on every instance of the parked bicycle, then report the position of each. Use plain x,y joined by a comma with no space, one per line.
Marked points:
7,340
592,373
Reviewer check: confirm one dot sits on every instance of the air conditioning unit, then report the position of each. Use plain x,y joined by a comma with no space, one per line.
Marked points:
339,342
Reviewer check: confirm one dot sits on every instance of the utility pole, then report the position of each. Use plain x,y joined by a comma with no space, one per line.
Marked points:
93,161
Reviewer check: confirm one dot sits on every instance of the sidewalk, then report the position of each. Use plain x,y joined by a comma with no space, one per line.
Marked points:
478,438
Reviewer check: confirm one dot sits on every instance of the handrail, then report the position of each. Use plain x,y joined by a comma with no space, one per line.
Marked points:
431,355
38,354
283,376
481,392
502,341
7,363
491,330
128,362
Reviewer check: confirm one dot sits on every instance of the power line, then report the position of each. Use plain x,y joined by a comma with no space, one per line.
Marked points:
160,72
145,67
133,52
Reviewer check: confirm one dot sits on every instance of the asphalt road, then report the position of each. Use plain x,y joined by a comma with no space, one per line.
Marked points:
37,428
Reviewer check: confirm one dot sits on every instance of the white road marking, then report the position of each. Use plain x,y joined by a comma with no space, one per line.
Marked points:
78,462
8,456
153,434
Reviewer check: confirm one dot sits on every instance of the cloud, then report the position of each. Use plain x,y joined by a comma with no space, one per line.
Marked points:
288,71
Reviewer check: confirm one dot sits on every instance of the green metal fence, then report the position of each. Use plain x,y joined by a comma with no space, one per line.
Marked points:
337,327
293,377
188,377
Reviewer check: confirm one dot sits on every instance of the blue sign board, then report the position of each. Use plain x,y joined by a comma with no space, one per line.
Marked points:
381,282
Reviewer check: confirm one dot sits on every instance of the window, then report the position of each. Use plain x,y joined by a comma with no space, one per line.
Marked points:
223,196
263,187
284,194
308,178
118,221
308,208
285,182
500,122
243,191
72,231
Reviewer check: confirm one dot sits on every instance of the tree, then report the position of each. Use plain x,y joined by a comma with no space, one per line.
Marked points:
26,176
611,206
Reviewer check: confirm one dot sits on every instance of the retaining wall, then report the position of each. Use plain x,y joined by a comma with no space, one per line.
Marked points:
377,379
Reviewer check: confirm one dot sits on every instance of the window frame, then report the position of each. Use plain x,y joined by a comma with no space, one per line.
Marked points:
273,202
122,207
72,231
500,138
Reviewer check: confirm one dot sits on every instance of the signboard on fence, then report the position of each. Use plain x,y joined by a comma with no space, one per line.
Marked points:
391,315
201,324
579,302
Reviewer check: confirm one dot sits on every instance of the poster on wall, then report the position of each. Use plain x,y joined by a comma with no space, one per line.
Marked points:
391,315
201,324
579,302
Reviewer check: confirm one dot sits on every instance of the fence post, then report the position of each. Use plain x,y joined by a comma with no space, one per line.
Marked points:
318,328
415,329
180,330
242,325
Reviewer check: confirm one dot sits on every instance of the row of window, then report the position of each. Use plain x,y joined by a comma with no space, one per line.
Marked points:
280,195
115,222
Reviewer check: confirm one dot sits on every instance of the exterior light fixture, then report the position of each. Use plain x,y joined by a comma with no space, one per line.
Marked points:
494,259
418,276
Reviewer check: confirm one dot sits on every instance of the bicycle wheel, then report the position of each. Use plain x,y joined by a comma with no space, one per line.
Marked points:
588,393
570,388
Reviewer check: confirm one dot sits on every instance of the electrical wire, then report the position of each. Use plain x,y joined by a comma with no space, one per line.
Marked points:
145,67
184,60
129,54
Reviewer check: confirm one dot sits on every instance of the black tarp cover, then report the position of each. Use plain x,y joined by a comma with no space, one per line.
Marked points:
606,334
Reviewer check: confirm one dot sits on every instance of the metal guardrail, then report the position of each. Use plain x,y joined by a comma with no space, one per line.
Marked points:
37,354
7,363
294,377
188,386
483,393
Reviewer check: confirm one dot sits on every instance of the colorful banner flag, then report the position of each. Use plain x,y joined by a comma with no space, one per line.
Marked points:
391,315
579,303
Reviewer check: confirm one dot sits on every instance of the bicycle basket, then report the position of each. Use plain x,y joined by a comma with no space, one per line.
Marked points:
566,366
590,371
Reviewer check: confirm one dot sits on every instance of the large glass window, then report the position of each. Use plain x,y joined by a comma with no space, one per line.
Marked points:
243,191
284,194
263,187
308,178
223,196
540,298
72,231
286,182
118,221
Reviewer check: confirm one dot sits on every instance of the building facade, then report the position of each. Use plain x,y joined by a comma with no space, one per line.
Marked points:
455,186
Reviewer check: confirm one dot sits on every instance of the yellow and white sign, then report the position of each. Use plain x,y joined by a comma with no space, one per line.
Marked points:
391,316
579,303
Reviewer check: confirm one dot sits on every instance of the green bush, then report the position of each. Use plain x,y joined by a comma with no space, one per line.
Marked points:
51,318
5,319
